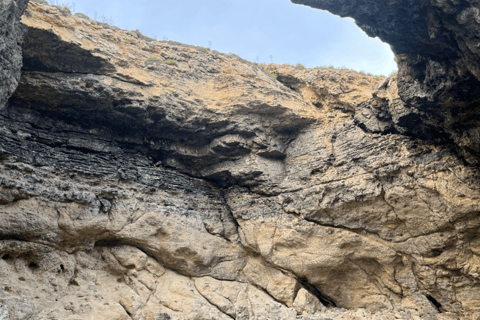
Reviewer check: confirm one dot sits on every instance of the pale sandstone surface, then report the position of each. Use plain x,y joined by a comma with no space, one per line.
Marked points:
134,187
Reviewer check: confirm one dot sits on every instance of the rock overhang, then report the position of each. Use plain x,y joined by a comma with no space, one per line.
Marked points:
408,26
319,195
436,46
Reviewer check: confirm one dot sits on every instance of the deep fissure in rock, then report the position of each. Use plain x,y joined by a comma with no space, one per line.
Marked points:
435,302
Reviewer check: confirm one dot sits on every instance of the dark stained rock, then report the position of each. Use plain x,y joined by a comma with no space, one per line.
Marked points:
437,49
147,180
10,51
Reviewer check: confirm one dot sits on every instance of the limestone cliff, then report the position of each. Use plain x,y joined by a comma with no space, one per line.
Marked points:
148,180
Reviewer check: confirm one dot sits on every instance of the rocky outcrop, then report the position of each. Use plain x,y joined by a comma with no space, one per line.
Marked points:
437,49
144,179
10,51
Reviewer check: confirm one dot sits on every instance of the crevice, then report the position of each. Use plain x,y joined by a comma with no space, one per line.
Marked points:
360,232
46,71
152,292
437,304
376,281
212,304
323,298
383,193
126,311
385,132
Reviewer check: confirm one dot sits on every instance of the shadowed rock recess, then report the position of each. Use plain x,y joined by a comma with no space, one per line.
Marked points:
153,180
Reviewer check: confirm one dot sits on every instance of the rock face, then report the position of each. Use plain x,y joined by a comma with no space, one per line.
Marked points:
10,51
152,180
437,49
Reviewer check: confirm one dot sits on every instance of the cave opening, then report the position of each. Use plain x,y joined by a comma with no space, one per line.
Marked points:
33,265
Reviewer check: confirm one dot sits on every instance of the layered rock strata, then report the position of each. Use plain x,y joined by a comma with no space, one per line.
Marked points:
142,179
437,49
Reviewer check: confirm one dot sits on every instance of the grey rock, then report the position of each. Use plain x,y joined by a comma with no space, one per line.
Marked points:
437,51
206,189
10,52
3,312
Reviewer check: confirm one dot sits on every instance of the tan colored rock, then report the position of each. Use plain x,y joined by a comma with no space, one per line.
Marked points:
307,304
114,312
154,267
282,287
242,301
178,293
155,180
221,294
130,257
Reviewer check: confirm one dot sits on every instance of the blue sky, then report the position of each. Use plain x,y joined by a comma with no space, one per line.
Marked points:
252,28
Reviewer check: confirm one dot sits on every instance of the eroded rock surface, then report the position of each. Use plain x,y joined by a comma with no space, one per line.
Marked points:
437,49
10,51
153,180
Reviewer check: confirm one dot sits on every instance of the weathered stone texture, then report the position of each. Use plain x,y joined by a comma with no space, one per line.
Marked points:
436,44
153,180
10,51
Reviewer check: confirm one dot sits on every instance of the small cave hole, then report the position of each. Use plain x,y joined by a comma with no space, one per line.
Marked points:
33,265
6,257
434,302
435,253
62,267
21,278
